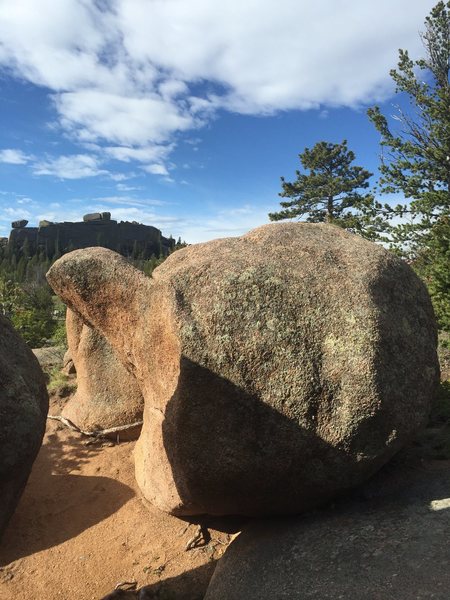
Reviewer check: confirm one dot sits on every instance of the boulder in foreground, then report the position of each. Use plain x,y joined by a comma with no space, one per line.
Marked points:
278,369
23,412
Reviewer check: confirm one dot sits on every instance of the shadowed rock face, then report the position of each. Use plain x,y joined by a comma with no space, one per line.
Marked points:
107,395
278,368
23,412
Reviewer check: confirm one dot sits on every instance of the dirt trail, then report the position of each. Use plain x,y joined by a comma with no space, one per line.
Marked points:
81,528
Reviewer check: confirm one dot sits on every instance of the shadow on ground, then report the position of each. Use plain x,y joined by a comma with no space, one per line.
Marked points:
191,585
59,504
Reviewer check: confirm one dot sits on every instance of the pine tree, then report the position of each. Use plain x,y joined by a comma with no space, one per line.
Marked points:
433,265
331,191
416,157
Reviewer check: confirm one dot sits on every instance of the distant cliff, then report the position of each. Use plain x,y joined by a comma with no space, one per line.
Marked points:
97,229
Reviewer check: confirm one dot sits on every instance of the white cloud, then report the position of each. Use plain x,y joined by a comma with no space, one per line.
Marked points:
74,166
96,115
121,176
13,157
123,187
14,213
130,201
276,55
156,169
224,223
128,77
143,154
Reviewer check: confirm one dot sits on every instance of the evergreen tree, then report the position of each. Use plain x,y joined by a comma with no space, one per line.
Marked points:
21,269
30,309
416,157
433,265
331,191
416,145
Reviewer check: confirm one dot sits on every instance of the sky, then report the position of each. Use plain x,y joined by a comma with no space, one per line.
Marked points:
183,114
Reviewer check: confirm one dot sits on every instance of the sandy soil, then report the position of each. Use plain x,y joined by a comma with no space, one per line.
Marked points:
82,527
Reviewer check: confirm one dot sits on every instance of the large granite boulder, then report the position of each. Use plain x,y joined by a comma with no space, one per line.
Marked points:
19,224
107,394
23,413
278,368
389,545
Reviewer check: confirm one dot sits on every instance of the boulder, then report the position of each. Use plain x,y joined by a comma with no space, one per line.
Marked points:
68,364
107,394
390,545
278,369
19,224
44,223
23,412
92,217
49,357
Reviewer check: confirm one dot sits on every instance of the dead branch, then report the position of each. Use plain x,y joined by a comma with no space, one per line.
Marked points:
98,433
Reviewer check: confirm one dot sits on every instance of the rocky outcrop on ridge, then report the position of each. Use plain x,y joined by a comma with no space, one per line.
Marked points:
107,394
23,412
96,229
278,369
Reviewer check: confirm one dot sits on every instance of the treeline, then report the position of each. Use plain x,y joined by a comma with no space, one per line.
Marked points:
28,301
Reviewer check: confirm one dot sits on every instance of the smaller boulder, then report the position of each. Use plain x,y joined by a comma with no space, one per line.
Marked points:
107,394
68,364
92,217
19,224
49,357
45,223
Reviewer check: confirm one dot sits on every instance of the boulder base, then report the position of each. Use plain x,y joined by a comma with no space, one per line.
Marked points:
278,369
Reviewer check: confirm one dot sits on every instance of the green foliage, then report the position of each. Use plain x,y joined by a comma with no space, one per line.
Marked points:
26,269
33,316
434,441
416,154
59,336
60,383
330,191
30,310
11,296
433,265
416,159
147,265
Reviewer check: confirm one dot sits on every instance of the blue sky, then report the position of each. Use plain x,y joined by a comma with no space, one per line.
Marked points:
184,114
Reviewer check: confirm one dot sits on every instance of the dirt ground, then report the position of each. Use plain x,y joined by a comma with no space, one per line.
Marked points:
82,527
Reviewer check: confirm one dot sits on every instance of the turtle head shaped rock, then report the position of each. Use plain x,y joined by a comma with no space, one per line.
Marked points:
278,368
